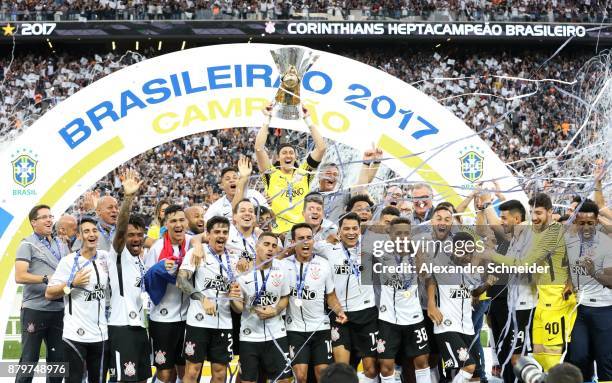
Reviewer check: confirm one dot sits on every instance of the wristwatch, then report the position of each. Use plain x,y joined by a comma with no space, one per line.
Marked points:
45,279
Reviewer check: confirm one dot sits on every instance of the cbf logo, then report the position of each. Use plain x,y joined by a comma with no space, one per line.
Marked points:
472,162
23,166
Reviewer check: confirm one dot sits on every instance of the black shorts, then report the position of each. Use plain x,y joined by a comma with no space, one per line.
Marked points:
359,333
236,318
456,349
130,354
429,326
524,323
167,340
265,356
86,358
408,340
209,344
314,351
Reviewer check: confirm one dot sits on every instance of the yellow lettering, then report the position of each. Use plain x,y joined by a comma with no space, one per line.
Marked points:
234,104
255,104
310,106
340,122
157,126
192,113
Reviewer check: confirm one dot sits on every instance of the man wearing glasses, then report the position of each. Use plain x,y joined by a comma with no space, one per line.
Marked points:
422,195
41,320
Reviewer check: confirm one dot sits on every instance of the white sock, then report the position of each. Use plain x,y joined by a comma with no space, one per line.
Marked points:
423,376
434,375
387,379
365,379
462,377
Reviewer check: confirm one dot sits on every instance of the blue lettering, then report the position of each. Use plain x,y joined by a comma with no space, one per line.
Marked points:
326,79
148,89
238,75
213,77
188,88
75,132
127,96
265,74
95,118
175,85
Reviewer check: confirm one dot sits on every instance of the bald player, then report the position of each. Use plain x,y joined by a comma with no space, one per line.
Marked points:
195,220
107,211
66,228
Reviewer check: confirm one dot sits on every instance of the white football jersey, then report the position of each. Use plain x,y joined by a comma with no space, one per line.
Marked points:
173,306
399,293
84,308
268,286
317,283
213,277
590,292
126,285
223,206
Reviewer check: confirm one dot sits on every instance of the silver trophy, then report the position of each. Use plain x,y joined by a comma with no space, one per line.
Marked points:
292,63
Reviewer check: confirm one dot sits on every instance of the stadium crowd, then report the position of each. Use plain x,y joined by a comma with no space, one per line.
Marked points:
591,11
516,127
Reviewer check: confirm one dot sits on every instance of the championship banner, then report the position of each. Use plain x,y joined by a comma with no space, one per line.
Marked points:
295,30
217,87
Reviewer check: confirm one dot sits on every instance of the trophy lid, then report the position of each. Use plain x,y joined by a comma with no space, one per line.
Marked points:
301,58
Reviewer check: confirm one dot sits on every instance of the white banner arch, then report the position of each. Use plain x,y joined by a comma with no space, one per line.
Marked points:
155,101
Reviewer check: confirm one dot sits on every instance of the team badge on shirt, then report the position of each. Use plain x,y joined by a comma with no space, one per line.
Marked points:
160,357
31,328
462,354
130,369
189,348
81,332
335,334
380,346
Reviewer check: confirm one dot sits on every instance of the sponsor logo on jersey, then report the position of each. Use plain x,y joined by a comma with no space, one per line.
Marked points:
246,331
97,294
342,270
266,299
219,283
308,295
199,316
164,312
461,293
447,322
81,332
133,314
578,269
383,308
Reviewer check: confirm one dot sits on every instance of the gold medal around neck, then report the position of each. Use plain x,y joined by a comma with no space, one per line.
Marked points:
67,290
407,294
298,302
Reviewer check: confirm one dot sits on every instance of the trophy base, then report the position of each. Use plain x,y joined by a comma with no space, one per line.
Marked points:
287,112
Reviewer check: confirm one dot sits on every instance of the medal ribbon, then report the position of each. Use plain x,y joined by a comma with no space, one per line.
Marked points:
300,279
75,267
264,281
103,232
228,269
406,283
49,246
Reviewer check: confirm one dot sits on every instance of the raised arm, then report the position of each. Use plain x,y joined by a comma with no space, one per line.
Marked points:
466,201
244,169
369,168
599,175
320,146
131,184
261,155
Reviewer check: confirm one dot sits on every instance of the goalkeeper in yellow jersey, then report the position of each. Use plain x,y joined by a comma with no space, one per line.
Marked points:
556,308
